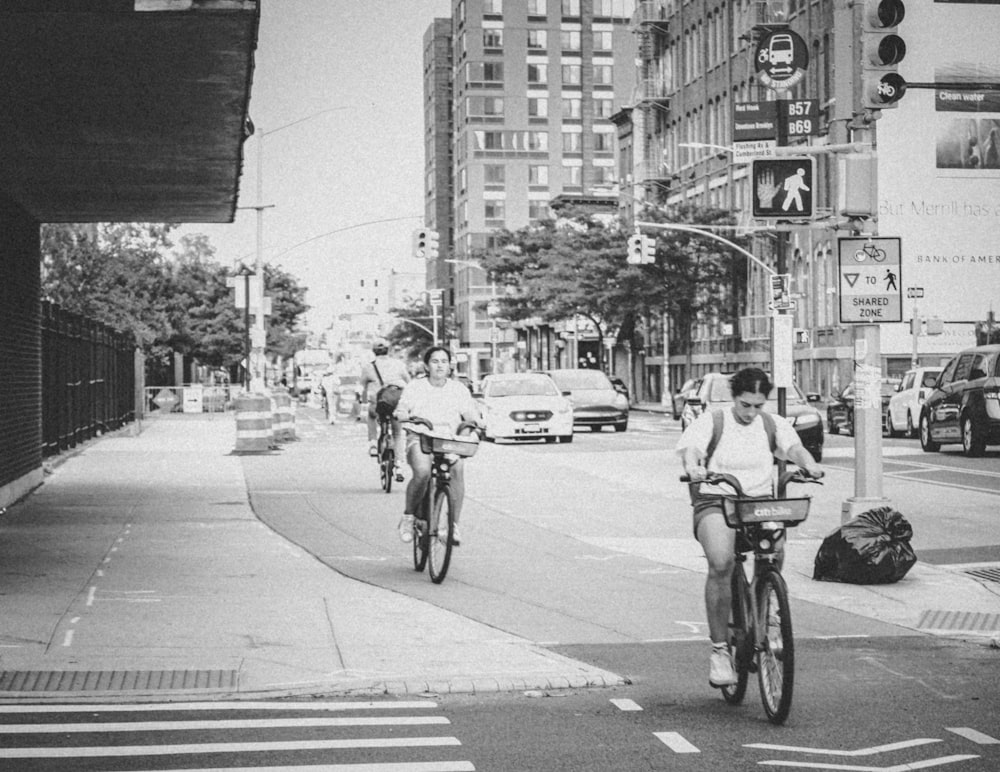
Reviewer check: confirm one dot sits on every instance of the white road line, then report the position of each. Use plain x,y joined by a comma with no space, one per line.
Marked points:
626,704
405,766
68,638
247,747
251,723
90,595
913,765
217,706
858,752
972,734
675,742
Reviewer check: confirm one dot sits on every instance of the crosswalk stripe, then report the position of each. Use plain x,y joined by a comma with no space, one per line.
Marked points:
169,726
255,747
972,734
218,707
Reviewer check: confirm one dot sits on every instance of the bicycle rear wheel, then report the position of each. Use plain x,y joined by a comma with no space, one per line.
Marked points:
776,657
440,535
740,639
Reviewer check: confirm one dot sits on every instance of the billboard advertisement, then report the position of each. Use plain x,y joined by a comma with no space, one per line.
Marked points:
939,159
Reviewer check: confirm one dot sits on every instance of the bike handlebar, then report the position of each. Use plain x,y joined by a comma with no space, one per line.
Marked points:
793,476
466,427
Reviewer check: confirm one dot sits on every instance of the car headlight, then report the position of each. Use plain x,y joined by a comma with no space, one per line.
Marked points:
620,401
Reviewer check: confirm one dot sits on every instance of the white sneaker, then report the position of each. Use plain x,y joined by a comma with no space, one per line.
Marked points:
373,449
721,671
406,528
455,538
399,473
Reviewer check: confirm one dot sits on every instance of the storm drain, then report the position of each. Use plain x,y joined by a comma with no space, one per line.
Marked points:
970,621
114,680
990,574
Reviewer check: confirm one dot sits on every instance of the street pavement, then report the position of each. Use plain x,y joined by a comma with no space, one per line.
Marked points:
139,571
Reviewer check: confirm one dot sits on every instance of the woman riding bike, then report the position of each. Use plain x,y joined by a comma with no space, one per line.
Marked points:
746,449
445,403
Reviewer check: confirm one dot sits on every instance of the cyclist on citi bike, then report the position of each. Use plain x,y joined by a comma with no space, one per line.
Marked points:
744,450
384,370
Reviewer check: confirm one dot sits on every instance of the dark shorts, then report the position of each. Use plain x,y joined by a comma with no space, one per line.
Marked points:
702,507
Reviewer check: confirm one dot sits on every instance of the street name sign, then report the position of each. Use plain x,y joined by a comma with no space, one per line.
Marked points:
870,280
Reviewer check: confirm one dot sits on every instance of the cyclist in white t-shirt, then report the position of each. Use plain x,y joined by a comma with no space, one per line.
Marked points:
446,403
384,370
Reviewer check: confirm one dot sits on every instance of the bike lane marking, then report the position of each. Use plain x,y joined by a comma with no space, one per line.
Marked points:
676,742
971,734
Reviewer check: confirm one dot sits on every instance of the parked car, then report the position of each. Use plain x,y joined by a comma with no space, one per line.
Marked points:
964,406
525,406
619,384
712,391
680,397
595,402
903,415
840,410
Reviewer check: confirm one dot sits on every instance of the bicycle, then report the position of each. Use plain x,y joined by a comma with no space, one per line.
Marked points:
386,454
433,524
760,626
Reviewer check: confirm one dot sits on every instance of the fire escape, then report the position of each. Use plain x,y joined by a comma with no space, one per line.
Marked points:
650,23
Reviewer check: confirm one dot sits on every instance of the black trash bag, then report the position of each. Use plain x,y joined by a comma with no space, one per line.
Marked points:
872,548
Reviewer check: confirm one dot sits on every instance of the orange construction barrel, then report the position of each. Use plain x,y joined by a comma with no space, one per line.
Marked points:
254,421
284,418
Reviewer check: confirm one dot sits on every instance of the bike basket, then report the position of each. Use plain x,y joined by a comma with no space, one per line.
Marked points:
456,445
744,511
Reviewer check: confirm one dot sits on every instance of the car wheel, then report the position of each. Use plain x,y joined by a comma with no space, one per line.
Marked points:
926,443
550,439
973,442
566,438
910,430
890,427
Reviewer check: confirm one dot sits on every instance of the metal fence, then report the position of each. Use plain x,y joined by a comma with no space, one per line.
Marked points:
88,379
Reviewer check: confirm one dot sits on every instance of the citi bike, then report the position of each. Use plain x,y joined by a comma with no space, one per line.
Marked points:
433,523
760,625
386,448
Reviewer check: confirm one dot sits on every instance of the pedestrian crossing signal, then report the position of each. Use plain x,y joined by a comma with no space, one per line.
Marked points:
783,188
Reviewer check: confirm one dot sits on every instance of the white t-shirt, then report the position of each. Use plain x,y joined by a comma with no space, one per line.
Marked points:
393,372
743,450
445,406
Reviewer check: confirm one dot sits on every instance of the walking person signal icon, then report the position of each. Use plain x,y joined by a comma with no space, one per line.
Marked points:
783,188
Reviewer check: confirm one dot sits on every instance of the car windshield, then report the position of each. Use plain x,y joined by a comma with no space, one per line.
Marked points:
521,387
930,378
581,379
720,392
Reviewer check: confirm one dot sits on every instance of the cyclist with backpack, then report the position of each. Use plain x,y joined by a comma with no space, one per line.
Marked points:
383,371
742,441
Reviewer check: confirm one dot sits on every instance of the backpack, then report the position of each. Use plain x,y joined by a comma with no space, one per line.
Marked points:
718,420
387,398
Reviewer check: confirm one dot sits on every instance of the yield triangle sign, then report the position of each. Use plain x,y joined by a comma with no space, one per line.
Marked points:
852,278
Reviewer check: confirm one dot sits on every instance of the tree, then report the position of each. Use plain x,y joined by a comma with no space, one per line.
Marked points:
411,334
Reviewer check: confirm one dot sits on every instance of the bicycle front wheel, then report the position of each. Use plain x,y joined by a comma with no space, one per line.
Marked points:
740,638
442,528
776,654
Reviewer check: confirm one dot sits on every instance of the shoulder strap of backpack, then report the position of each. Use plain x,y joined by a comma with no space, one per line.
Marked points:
380,381
718,420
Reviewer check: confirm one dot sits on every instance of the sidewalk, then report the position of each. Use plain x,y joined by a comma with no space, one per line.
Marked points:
113,585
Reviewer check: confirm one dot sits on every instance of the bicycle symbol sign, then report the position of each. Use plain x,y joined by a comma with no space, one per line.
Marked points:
870,280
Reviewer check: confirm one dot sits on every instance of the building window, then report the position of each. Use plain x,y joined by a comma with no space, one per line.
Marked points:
569,40
538,107
537,39
616,8
494,174
572,107
572,176
603,108
602,41
570,7
483,72
538,210
538,140
536,7
603,141
603,75
485,106
538,74
538,174
493,6
572,142
463,179
571,74
488,140
604,175
492,38
493,209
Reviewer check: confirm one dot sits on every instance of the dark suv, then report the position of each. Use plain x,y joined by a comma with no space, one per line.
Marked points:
712,391
964,406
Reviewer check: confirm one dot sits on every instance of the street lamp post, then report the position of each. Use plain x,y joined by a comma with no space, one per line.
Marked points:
246,273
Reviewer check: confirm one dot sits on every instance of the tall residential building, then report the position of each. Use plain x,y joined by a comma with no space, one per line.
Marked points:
519,96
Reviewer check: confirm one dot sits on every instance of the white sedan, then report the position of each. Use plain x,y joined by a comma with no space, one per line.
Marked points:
525,406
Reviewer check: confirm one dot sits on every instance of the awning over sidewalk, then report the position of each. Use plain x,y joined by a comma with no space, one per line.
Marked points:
127,110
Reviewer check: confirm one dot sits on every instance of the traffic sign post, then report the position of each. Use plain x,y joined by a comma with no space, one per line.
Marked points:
870,281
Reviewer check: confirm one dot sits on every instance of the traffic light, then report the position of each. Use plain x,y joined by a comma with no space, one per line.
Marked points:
881,51
635,249
648,249
782,187
425,244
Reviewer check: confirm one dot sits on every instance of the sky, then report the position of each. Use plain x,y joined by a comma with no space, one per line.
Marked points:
338,92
